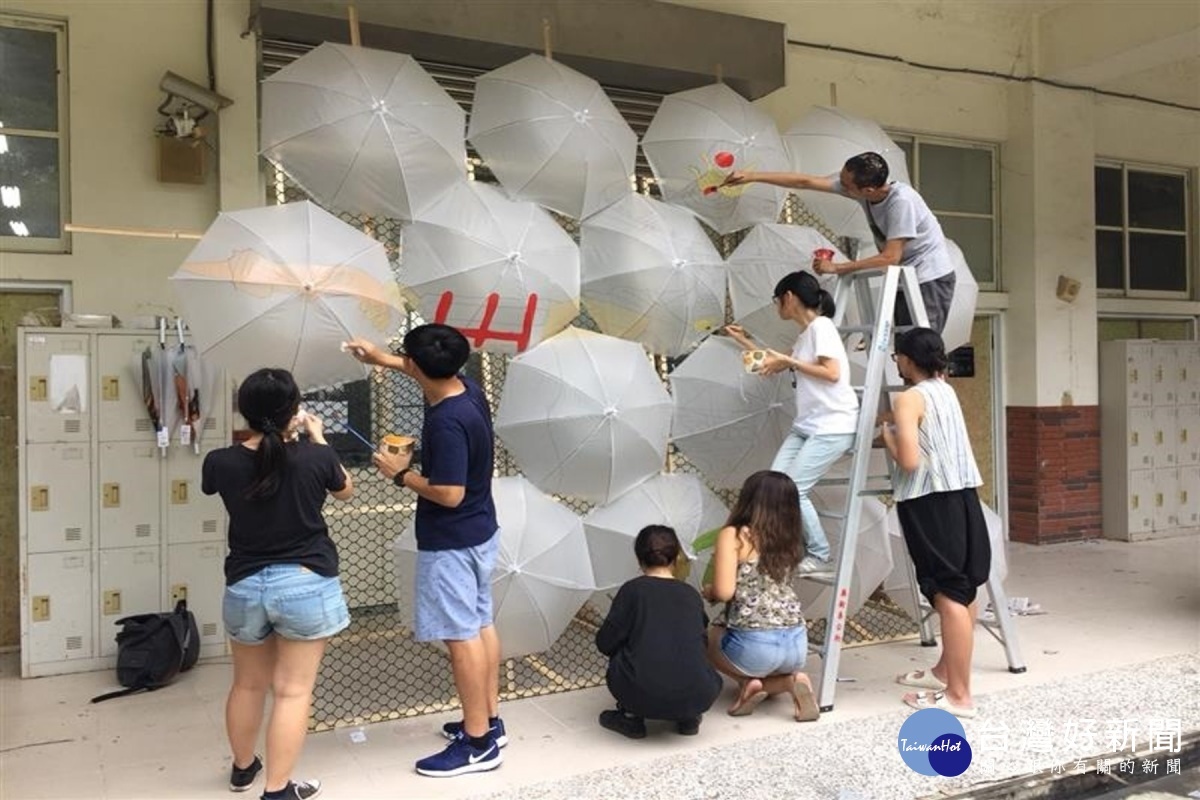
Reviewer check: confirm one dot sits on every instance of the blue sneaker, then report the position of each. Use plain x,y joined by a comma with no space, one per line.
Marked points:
459,758
454,730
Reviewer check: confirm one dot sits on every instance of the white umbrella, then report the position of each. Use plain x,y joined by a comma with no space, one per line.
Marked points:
504,273
679,501
728,422
651,274
872,557
961,318
551,135
697,138
769,252
542,577
284,286
820,142
585,415
363,130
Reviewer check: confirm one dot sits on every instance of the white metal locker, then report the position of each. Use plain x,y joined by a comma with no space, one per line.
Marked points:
1166,379
1165,436
57,387
192,516
1187,435
1189,497
1142,448
123,416
1188,390
128,494
1141,501
1139,373
59,607
196,571
58,512
129,584
1166,499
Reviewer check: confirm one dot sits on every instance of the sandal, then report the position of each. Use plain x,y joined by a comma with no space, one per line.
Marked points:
748,699
921,679
807,709
920,700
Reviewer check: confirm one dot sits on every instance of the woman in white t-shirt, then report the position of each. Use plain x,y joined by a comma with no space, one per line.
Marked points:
826,405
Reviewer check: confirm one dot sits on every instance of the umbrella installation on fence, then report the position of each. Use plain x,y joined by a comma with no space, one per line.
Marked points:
728,422
542,577
284,286
700,136
502,272
819,143
769,252
551,136
585,415
676,500
364,130
651,274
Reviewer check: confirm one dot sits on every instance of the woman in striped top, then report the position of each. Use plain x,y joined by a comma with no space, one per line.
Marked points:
940,515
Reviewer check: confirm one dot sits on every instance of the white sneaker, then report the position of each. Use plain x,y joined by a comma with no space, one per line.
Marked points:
811,565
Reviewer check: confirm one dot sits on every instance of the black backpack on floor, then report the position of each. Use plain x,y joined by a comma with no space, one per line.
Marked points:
153,648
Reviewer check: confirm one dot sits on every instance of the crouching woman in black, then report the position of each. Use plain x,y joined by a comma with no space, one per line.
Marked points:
655,637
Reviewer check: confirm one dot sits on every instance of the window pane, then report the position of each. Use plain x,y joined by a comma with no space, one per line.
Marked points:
1113,329
29,175
1156,201
28,79
1170,329
1158,262
956,178
1110,260
907,146
1108,196
974,237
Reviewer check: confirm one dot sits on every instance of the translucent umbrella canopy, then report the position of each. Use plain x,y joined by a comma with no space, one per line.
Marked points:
651,274
551,136
367,131
503,272
676,500
728,423
284,286
697,138
542,576
768,253
585,414
961,317
820,142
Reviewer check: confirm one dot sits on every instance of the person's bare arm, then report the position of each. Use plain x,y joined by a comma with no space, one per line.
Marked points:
392,464
370,353
889,256
788,180
901,436
725,554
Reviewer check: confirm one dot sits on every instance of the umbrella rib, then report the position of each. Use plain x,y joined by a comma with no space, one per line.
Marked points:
317,129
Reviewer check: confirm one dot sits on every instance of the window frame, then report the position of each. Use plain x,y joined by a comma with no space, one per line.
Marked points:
1125,229
914,171
46,244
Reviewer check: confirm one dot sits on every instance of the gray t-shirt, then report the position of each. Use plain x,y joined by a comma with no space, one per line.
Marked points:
904,215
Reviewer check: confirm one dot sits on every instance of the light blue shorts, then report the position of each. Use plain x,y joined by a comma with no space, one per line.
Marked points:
452,598
759,652
287,599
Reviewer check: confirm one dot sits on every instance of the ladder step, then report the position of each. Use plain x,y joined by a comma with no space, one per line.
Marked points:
846,481
883,387
827,578
831,514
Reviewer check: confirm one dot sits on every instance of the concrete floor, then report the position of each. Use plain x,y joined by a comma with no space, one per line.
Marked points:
1121,640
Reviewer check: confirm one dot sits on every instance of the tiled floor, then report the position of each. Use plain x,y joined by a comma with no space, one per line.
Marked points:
1120,639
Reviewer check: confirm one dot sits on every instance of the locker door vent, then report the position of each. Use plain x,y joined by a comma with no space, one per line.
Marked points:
143,425
208,629
73,534
72,426
142,531
209,526
74,642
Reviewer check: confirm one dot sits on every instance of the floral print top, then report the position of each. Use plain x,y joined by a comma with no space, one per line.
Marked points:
759,601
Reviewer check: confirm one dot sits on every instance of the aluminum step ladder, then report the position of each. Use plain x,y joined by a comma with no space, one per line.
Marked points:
876,334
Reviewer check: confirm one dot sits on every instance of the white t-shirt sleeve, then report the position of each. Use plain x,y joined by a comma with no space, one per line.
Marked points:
900,219
836,179
826,341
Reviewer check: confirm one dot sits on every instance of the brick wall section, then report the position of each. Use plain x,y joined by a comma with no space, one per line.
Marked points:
1053,473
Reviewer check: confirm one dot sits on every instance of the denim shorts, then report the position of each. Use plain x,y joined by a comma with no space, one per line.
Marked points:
453,592
287,599
759,652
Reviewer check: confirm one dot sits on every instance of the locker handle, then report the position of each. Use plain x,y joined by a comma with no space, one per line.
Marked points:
112,602
1135,502
110,387
1133,375
1158,437
39,498
40,608
112,495
37,388
1133,438
1158,499
179,492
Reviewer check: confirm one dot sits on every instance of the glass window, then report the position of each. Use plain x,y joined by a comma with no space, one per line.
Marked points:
958,183
1142,236
1114,328
33,144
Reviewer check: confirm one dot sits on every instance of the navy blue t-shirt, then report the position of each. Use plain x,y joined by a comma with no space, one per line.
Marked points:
456,450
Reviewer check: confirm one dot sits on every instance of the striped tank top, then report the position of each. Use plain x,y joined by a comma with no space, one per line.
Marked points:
947,463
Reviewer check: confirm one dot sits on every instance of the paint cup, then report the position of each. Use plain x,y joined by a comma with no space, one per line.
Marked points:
753,360
397,444
823,254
